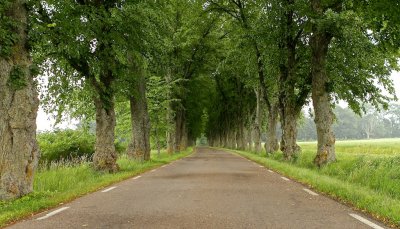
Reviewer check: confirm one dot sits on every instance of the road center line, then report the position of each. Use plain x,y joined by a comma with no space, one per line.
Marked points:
52,213
108,189
310,192
136,177
286,179
369,223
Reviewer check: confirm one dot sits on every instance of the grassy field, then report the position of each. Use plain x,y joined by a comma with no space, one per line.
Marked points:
366,174
64,182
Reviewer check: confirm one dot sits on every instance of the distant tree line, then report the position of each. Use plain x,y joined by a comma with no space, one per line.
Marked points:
348,125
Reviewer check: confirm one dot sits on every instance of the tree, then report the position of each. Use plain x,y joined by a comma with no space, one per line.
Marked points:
18,103
83,40
348,62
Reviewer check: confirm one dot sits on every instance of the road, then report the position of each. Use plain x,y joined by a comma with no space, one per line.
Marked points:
209,189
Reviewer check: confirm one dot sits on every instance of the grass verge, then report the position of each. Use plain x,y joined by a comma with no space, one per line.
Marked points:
65,182
380,204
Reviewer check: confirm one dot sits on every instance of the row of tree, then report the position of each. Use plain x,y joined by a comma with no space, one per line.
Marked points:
226,68
303,52
93,58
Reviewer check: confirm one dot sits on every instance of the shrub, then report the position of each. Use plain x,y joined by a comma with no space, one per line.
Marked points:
65,145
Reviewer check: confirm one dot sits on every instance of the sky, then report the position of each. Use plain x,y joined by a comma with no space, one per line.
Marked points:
45,122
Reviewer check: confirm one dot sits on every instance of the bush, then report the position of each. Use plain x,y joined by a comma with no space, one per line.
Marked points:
65,145
68,144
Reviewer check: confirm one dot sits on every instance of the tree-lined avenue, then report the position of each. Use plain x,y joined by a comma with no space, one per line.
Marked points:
209,189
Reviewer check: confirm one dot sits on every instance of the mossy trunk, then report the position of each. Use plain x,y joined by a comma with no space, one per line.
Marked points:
324,115
139,148
105,156
18,110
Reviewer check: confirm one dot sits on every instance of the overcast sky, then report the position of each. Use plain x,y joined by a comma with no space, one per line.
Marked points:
45,122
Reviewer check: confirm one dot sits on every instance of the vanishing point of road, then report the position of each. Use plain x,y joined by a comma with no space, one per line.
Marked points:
209,189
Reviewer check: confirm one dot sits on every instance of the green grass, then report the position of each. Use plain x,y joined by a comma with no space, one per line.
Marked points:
65,182
366,174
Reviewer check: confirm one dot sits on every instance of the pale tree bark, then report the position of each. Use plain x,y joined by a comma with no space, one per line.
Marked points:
105,156
18,110
139,148
272,144
324,116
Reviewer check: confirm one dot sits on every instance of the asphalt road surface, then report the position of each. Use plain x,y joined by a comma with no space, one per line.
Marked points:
209,189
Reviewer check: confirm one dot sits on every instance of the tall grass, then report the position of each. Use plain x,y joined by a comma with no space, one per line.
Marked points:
63,181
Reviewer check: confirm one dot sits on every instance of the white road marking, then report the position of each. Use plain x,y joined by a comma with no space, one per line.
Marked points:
369,223
270,171
108,189
153,170
52,213
136,177
261,166
310,192
286,179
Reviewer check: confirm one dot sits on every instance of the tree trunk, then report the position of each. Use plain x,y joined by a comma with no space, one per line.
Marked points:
240,137
288,145
257,123
18,110
225,139
249,140
171,131
105,156
324,115
139,148
272,145
184,137
157,138
231,139
178,130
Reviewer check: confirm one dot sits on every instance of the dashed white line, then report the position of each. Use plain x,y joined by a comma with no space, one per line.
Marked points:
367,222
310,192
109,189
52,213
286,179
136,177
